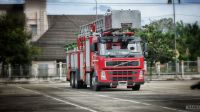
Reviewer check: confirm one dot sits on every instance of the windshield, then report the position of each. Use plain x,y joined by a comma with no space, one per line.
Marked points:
120,48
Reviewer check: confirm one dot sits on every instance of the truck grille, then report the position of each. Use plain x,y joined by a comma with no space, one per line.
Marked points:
122,72
122,78
122,63
122,75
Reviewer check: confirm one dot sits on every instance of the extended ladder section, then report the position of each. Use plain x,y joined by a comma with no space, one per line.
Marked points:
114,20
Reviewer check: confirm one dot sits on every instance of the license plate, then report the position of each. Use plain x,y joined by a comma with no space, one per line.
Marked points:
122,83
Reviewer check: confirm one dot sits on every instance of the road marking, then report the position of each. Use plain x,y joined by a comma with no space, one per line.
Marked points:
164,88
132,101
57,99
187,91
119,99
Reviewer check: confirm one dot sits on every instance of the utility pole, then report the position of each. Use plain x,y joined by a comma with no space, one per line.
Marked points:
96,10
175,35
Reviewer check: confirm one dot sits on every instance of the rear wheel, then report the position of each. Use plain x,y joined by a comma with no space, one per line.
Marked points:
77,81
84,86
72,80
136,88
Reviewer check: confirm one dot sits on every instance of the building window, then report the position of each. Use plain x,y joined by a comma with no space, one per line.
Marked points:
34,30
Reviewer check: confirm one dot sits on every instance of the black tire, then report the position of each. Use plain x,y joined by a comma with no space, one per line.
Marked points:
94,85
136,88
77,81
90,81
84,86
72,81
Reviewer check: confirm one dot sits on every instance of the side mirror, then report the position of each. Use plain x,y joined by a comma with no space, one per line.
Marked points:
145,47
92,48
145,54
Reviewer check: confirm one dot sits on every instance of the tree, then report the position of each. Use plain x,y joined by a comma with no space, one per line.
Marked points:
188,40
70,46
14,46
181,41
159,37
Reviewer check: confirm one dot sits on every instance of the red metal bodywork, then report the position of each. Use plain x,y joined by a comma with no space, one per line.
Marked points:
97,64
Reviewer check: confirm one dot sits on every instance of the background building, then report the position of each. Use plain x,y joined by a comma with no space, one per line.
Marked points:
49,32
62,29
36,17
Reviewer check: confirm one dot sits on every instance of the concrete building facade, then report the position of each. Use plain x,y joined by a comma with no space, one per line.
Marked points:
36,17
50,33
37,24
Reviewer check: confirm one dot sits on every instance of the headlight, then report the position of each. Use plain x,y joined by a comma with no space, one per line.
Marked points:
141,75
103,75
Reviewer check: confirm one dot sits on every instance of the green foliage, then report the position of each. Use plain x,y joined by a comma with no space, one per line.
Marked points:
160,40
188,40
160,37
70,46
14,46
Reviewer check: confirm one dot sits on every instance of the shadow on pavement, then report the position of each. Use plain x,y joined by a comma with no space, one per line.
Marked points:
195,86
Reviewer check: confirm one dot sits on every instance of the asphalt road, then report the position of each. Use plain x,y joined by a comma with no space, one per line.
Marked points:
157,96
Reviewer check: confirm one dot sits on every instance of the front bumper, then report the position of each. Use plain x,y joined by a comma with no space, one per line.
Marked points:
112,77
114,84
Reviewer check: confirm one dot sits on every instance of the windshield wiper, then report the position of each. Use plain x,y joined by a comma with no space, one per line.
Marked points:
130,53
111,56
123,63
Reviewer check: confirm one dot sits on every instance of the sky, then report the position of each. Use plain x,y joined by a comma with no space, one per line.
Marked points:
187,11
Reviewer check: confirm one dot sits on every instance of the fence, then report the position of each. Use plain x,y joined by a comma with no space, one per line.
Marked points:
41,71
58,71
181,68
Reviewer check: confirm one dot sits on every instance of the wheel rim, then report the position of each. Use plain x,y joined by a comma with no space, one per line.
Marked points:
72,78
71,81
75,80
93,81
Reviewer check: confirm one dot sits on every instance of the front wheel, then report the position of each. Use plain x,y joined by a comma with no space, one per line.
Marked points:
136,88
95,86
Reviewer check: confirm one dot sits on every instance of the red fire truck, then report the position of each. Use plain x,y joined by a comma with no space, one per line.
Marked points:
107,54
